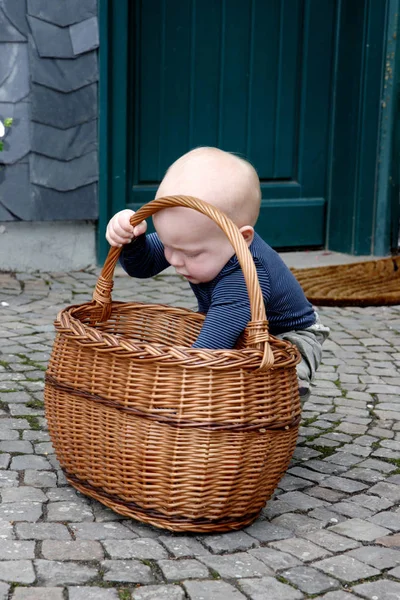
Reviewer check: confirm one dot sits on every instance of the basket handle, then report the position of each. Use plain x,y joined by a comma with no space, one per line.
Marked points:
256,334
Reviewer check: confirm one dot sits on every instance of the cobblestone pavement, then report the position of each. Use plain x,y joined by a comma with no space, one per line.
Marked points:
332,530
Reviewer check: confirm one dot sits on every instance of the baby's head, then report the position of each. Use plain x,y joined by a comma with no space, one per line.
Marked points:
194,244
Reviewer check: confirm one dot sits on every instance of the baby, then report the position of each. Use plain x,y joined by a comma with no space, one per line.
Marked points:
202,254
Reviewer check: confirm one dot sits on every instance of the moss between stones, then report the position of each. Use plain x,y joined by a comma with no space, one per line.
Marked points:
34,404
33,421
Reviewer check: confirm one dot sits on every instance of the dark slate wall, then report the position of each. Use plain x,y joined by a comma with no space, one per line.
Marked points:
48,85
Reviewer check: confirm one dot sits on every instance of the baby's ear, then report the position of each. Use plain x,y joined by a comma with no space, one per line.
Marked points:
247,232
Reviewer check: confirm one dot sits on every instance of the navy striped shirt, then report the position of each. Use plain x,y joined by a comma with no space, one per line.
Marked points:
224,300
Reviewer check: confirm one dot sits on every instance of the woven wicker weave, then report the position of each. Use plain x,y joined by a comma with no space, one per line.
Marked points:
368,283
181,438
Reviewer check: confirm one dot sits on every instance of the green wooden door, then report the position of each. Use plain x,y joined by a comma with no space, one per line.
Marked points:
249,76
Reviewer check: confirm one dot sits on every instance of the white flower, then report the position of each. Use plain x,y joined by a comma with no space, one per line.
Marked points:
2,129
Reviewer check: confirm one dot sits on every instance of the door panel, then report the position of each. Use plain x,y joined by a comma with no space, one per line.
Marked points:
249,76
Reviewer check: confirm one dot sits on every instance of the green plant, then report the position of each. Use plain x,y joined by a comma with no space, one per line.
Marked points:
33,421
3,126
34,404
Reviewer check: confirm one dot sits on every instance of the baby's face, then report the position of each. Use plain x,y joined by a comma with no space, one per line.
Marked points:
193,244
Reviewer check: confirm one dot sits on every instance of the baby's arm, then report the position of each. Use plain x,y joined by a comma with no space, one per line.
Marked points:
142,255
228,314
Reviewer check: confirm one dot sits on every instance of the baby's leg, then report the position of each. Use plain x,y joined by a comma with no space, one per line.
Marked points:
309,343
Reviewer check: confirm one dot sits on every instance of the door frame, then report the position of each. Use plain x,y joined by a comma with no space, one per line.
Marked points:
361,205
113,115
373,229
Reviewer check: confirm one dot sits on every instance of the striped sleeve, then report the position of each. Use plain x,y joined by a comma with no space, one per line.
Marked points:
144,257
228,313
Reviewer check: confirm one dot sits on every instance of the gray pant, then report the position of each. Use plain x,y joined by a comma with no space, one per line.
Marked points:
309,342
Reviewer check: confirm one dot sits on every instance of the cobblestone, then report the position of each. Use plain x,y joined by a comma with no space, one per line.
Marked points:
229,542
212,590
21,511
22,494
364,475
275,559
301,501
185,568
157,592
4,460
72,550
323,493
16,550
20,463
6,530
333,522
297,523
267,532
17,571
8,479
381,558
240,564
102,531
346,568
302,549
267,589
387,490
65,495
127,571
140,548
390,541
183,546
351,509
331,541
383,590
90,593
39,593
63,573
395,572
310,580
387,519
372,503
40,479
68,511
42,531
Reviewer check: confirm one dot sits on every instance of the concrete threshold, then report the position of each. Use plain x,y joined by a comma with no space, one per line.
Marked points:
321,258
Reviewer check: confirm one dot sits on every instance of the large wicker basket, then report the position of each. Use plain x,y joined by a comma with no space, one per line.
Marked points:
181,438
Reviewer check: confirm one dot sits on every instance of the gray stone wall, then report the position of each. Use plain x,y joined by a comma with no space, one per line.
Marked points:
48,86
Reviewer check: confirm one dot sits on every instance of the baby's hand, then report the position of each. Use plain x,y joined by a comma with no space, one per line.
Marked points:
120,231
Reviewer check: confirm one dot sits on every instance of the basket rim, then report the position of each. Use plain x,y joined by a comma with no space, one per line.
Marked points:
68,323
257,331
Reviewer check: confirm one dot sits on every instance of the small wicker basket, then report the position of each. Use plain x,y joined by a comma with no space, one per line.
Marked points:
181,438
